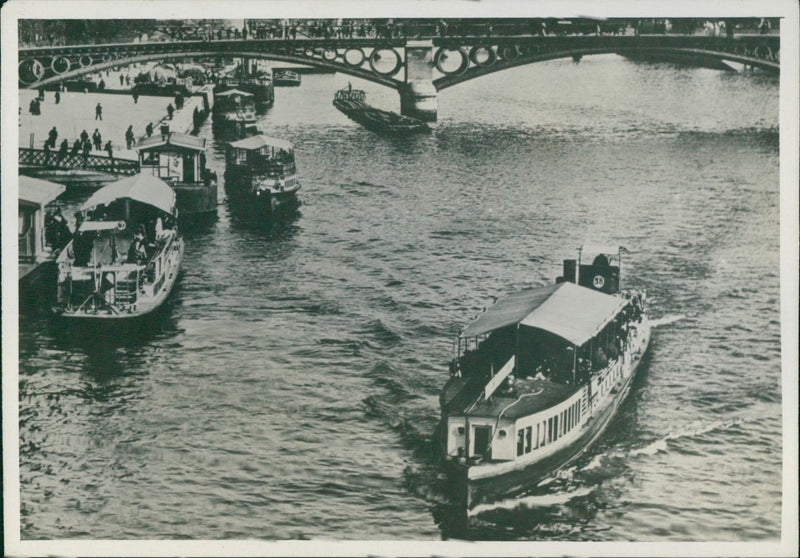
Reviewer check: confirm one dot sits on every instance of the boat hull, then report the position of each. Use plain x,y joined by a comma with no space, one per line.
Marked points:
479,485
143,312
196,201
380,121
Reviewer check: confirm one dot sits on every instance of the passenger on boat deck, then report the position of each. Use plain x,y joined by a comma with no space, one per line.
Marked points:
611,351
600,359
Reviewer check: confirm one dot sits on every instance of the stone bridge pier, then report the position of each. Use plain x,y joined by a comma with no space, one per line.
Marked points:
418,96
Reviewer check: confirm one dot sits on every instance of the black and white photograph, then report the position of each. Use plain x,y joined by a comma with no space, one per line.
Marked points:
405,278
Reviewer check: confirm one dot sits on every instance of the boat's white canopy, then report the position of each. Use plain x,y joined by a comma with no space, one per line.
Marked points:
143,188
574,313
509,310
38,192
234,92
259,141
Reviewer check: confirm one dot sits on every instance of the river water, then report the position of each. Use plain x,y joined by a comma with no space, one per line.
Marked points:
291,388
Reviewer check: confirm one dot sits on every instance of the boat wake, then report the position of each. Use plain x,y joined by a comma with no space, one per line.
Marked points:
661,445
666,320
534,501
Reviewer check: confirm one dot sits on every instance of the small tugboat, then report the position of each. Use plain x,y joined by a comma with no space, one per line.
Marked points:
352,102
40,235
261,171
537,377
180,160
258,82
124,259
286,78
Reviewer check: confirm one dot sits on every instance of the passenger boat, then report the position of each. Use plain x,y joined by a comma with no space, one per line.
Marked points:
538,376
261,171
180,160
352,102
233,109
125,256
39,240
259,83
286,78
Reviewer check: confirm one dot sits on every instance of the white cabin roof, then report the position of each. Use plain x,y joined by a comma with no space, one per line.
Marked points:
257,142
144,188
37,191
174,138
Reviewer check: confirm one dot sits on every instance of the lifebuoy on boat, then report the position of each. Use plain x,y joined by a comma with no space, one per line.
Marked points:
121,225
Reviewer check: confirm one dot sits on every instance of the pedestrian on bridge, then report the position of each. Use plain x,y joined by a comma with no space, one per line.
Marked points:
109,150
98,112
52,137
84,137
129,137
87,147
97,139
62,150
76,147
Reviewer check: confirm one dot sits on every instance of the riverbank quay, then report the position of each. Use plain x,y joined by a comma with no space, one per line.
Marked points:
77,112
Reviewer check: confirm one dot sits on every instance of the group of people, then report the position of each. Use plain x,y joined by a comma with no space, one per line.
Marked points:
81,146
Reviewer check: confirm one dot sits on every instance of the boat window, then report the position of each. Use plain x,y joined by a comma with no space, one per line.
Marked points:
578,405
569,421
536,438
520,442
527,439
555,428
543,433
549,430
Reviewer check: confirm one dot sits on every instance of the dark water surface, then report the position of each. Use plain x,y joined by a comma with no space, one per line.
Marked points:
290,389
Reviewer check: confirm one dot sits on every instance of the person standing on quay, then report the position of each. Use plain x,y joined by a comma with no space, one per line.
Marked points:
109,149
98,112
135,98
149,129
58,97
129,137
97,139
170,110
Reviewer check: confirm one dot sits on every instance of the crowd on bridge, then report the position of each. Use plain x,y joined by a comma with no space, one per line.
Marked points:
53,34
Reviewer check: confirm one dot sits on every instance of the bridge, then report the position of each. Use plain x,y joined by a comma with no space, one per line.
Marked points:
51,160
417,67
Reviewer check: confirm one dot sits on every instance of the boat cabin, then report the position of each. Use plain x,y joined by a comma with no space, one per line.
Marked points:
36,240
174,157
234,100
261,155
531,368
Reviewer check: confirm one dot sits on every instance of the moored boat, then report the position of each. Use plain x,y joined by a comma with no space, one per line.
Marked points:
233,110
537,377
261,171
286,78
40,235
124,258
353,103
180,160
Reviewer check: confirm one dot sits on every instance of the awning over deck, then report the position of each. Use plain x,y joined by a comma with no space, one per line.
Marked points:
567,310
509,310
35,191
143,188
575,313
257,142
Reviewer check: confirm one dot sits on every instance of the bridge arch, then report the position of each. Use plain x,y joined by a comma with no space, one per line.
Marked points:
365,68
497,62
